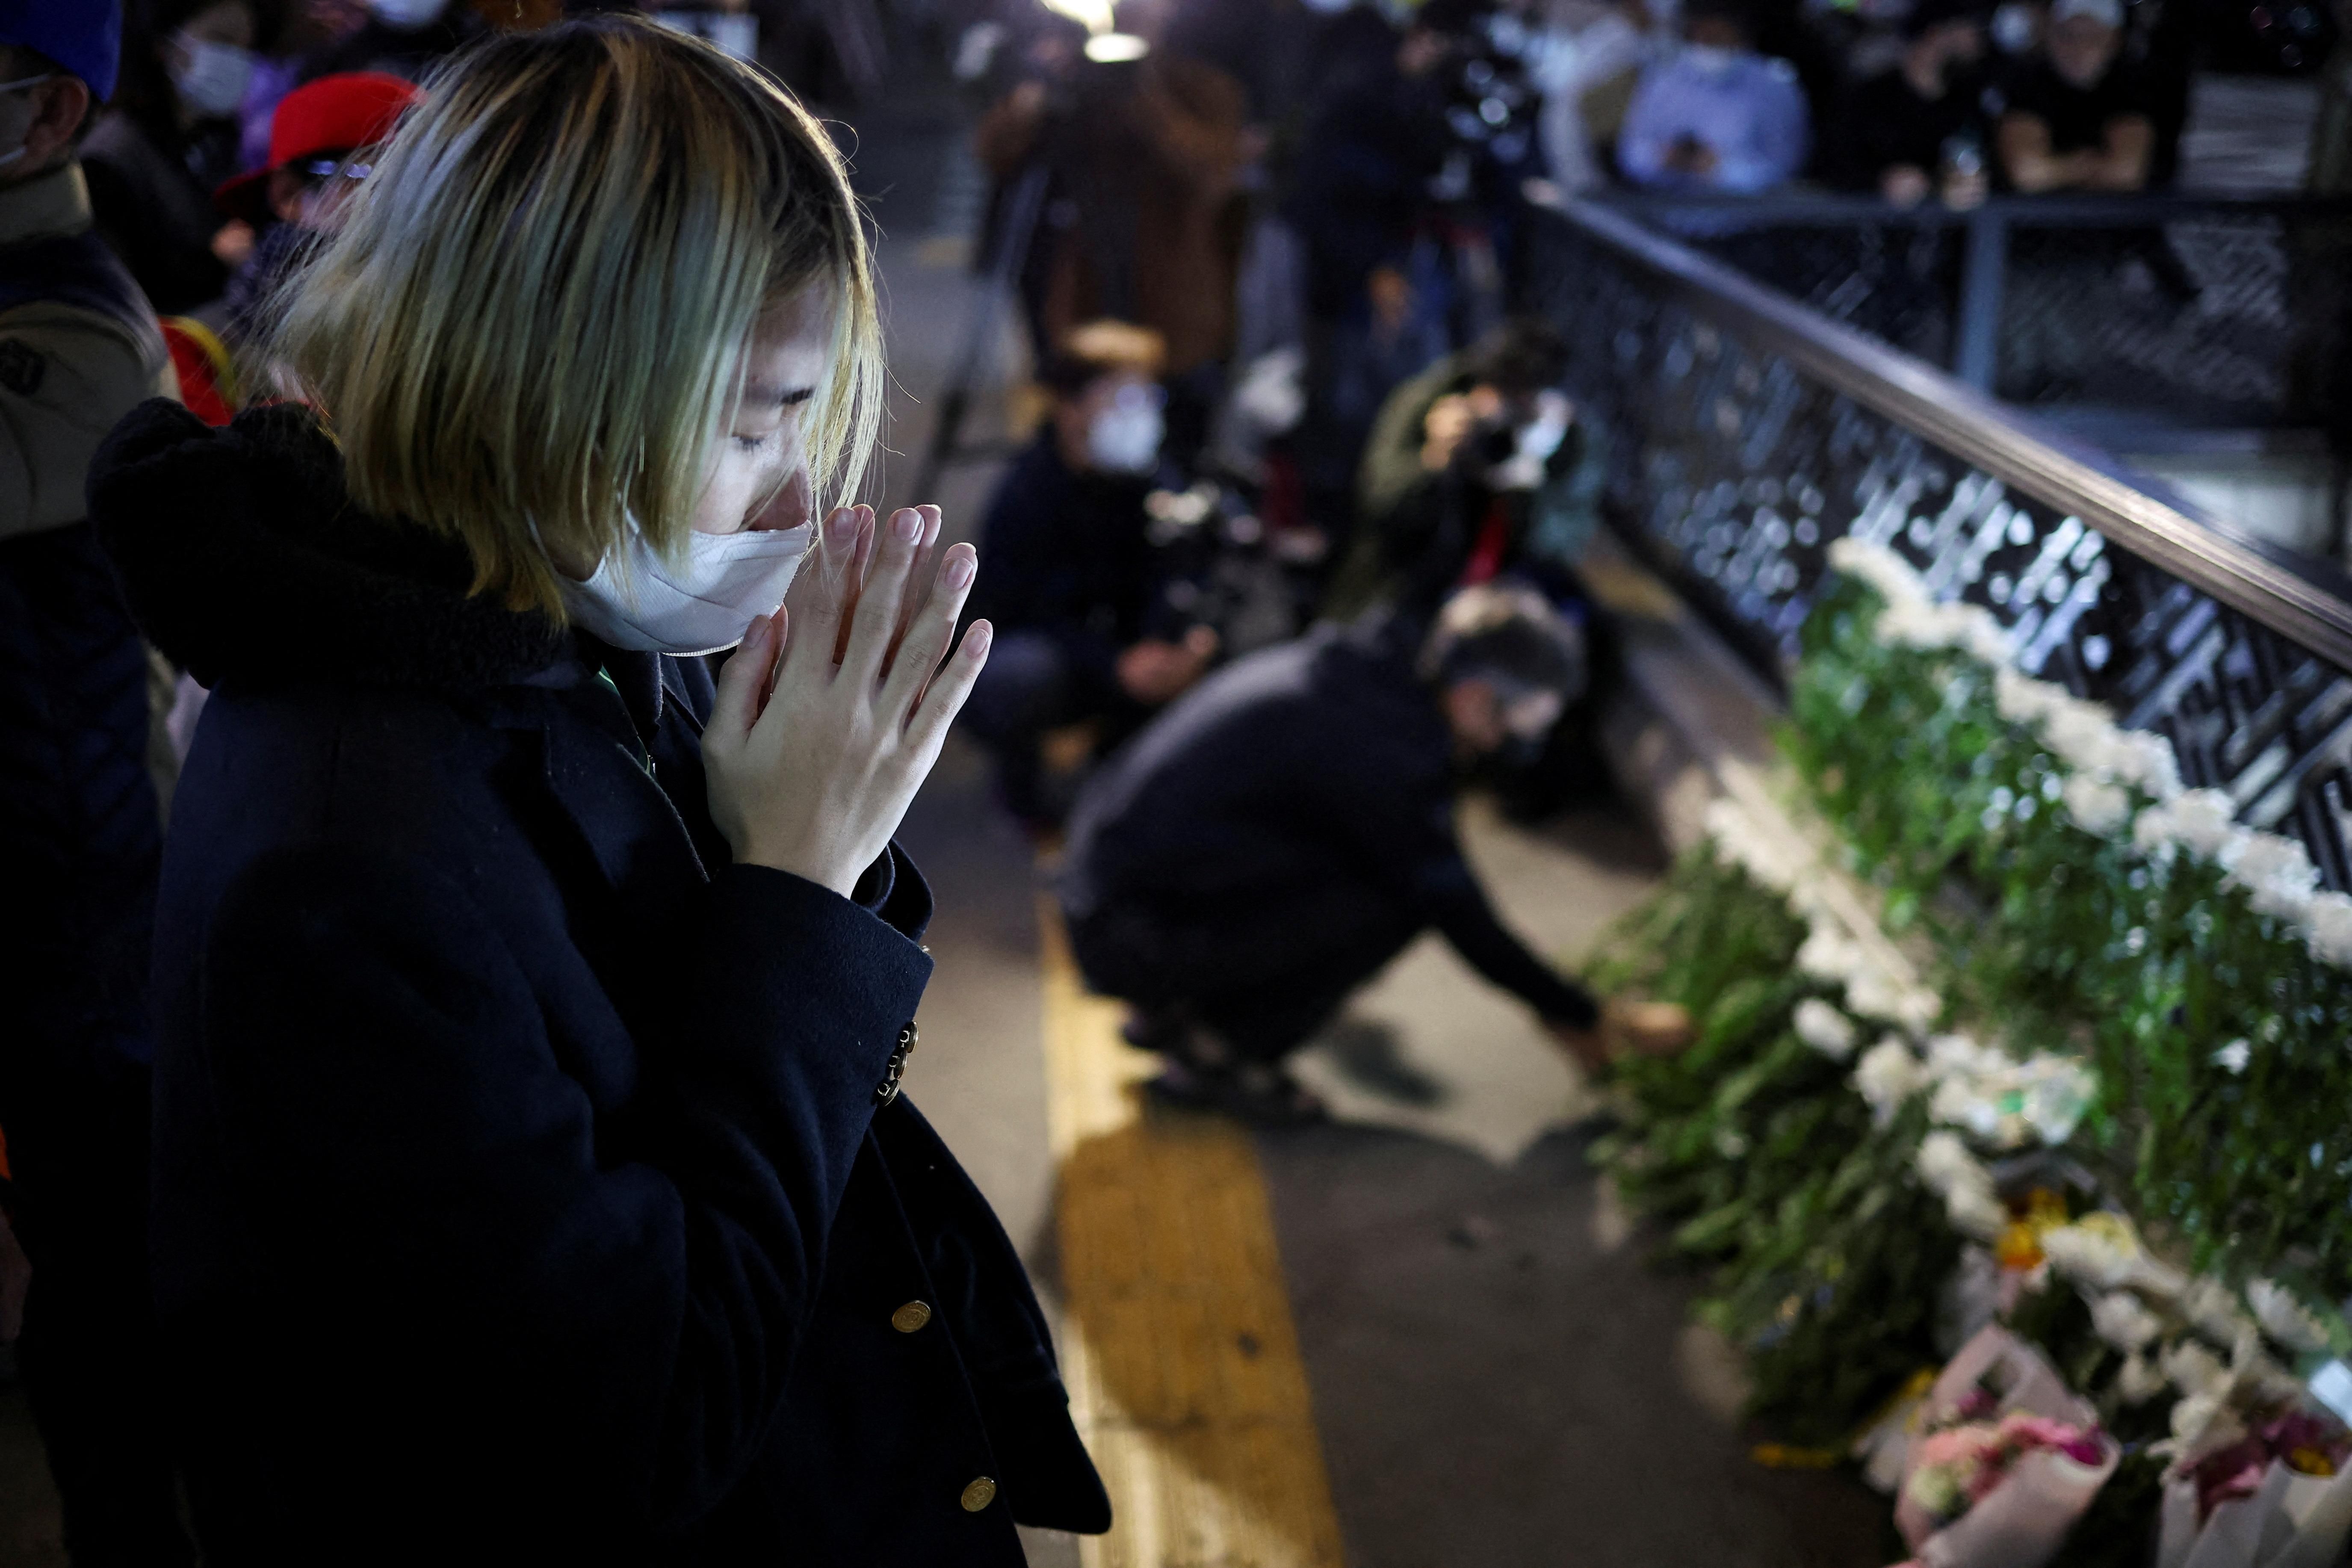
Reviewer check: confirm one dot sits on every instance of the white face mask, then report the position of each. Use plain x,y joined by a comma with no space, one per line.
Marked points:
19,85
407,16
213,79
1711,59
1538,438
1125,438
640,602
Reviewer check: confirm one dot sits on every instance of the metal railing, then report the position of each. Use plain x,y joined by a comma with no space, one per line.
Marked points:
2204,310
1749,431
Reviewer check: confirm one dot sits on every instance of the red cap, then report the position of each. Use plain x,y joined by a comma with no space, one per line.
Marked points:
323,118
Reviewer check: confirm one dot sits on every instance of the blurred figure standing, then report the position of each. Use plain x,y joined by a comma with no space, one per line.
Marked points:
1146,151
2082,117
166,140
79,836
1717,116
1921,130
1082,632
400,37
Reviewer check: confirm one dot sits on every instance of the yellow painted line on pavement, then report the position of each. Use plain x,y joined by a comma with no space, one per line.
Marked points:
1183,1358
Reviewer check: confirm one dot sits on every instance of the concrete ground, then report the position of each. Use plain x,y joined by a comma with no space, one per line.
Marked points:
1496,1378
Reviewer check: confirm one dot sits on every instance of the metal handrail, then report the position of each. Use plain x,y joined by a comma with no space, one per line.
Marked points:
2311,606
1834,209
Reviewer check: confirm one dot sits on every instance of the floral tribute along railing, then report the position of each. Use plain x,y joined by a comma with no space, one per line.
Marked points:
1748,434
2018,1056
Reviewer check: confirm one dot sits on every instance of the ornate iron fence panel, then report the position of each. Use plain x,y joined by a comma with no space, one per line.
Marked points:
1735,461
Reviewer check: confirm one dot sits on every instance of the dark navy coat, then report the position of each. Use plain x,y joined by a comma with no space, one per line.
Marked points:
523,1190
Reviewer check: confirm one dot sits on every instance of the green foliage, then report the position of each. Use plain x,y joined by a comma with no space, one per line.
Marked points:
2148,964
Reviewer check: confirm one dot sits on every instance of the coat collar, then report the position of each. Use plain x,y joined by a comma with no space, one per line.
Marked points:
243,559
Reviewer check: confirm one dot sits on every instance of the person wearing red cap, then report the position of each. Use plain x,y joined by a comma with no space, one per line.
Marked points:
319,145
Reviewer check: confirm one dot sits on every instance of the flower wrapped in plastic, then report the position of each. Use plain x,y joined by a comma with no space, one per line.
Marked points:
2007,1460
2279,1496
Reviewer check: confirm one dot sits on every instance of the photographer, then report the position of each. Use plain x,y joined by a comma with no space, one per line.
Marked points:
1279,835
1083,632
1475,468
2082,118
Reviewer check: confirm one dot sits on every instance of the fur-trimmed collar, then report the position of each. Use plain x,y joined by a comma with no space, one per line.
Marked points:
243,560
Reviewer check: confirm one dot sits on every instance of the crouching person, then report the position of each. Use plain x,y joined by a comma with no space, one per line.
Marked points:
1282,832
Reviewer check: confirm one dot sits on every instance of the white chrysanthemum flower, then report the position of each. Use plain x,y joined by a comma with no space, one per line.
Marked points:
1825,1029
2096,807
2124,1320
1731,1142
2085,734
2139,1382
1970,1201
1976,1212
2277,875
2099,1251
1828,953
2233,1057
2286,1320
2146,760
2327,926
2024,700
1887,1075
2213,1311
2202,822
2194,1370
1957,1104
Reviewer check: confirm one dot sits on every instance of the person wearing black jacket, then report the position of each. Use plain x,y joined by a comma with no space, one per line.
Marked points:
533,1182
1087,631
1280,834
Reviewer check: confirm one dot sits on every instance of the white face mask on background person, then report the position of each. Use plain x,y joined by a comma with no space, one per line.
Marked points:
639,602
1710,59
407,16
211,78
15,155
1125,438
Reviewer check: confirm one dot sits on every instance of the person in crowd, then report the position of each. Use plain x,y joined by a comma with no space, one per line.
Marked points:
1358,194
532,1181
1146,155
400,37
79,832
321,144
167,140
1476,468
2079,119
1921,128
1084,633
1279,835
1716,115
1592,56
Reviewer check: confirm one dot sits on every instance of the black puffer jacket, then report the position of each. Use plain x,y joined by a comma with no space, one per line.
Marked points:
521,1193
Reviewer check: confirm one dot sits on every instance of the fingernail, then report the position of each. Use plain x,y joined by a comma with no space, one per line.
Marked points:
841,527
975,642
907,525
958,570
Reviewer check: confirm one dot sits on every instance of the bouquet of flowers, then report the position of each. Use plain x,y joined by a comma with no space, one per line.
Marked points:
2007,1461
2279,1496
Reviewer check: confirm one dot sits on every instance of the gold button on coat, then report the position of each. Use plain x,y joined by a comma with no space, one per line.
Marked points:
911,1317
978,1495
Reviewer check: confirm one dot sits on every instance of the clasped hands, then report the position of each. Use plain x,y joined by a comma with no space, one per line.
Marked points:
833,710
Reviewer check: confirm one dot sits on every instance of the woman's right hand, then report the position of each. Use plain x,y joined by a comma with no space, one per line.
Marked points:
831,713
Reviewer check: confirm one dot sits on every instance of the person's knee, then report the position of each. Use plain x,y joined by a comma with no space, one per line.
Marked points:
1021,688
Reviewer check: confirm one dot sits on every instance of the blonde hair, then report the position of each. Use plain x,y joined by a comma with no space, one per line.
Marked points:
532,325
